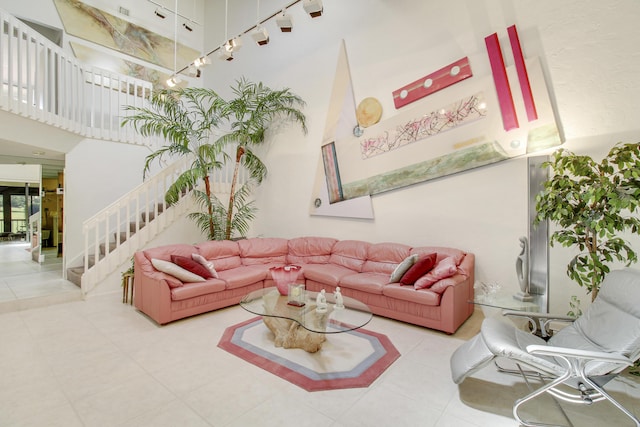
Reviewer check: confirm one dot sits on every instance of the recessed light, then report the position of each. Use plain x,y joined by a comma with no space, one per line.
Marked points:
38,153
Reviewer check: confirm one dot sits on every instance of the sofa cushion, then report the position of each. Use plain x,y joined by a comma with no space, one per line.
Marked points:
408,293
205,263
225,254
191,290
192,266
366,282
325,273
175,271
263,250
402,268
445,268
420,268
242,276
384,257
350,254
310,250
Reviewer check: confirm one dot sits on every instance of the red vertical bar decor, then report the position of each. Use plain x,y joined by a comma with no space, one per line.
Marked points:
505,98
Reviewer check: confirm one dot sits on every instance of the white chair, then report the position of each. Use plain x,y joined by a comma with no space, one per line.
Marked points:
584,356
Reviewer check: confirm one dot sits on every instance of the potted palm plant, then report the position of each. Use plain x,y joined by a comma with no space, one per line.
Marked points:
593,204
190,118
249,114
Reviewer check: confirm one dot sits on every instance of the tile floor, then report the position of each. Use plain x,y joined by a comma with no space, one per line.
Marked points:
99,362
26,284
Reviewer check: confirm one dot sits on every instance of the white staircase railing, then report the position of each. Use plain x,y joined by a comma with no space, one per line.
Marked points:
41,81
113,235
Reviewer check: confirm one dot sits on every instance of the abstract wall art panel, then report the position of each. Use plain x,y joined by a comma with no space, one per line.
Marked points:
438,80
102,28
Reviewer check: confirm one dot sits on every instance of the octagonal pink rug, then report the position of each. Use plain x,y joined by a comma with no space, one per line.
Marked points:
350,359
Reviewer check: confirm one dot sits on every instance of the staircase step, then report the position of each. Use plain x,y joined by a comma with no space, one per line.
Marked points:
152,214
74,275
132,225
103,246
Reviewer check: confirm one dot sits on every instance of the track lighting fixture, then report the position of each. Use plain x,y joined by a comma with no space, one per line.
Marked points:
313,7
226,51
194,71
173,81
260,35
160,14
236,43
202,61
284,21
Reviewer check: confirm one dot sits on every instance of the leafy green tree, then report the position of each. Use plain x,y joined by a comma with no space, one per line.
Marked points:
593,203
188,118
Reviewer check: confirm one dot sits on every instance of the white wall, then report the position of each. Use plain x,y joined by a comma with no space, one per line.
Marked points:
96,174
589,53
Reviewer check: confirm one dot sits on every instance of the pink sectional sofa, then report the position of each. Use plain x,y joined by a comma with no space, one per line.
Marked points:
361,269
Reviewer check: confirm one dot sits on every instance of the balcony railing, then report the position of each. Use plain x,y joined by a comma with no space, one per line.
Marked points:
41,81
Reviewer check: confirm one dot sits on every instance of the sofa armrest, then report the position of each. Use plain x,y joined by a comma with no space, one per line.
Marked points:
151,289
456,301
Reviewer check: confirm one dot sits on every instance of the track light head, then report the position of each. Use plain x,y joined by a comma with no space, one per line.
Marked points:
313,7
285,22
202,61
236,43
160,14
194,71
173,81
226,51
260,36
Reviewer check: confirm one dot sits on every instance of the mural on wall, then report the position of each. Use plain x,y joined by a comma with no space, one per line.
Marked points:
112,63
466,126
104,29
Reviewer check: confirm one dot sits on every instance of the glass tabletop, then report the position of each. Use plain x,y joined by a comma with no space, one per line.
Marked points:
269,302
506,301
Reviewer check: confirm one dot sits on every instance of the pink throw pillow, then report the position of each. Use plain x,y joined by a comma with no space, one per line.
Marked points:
206,264
191,265
445,268
420,268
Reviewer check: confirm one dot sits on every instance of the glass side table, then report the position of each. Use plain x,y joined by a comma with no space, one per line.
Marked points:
505,301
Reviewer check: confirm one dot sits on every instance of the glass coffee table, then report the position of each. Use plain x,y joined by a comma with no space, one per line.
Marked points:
304,327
